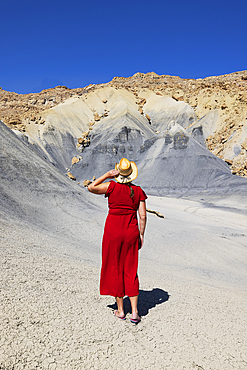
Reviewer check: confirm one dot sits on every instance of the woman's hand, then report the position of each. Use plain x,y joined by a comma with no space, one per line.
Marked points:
97,187
112,173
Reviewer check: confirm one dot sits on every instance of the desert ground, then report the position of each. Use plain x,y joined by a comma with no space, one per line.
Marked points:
192,300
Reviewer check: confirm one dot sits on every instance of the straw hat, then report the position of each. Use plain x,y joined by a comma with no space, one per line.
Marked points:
127,171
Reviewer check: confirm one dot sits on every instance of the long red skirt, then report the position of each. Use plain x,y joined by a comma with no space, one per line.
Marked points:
120,256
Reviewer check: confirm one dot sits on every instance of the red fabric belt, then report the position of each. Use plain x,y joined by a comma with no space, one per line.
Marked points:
121,212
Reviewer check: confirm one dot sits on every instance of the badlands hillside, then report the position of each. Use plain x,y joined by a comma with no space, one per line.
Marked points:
190,135
223,96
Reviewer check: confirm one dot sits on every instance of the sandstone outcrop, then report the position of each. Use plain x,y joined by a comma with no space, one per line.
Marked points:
19,110
75,160
97,117
70,176
86,183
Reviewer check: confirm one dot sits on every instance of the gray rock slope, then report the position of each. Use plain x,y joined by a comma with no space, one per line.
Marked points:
34,191
169,163
175,163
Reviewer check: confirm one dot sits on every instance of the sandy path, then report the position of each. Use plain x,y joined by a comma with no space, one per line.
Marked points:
52,316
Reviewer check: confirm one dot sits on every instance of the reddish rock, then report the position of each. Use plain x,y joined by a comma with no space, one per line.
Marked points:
229,161
148,118
142,102
75,160
86,183
69,174
15,121
81,140
96,117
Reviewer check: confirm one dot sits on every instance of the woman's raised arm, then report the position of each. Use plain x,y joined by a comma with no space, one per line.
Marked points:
97,187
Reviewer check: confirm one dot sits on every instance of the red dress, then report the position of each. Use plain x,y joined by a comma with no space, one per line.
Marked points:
120,242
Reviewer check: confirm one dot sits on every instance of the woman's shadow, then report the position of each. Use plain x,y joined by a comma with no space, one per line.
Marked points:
147,299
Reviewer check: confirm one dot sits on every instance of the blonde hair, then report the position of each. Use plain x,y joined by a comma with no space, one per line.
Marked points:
131,190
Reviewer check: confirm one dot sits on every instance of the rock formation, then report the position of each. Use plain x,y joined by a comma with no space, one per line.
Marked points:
143,116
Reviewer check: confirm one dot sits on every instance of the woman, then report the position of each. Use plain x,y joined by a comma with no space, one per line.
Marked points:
122,237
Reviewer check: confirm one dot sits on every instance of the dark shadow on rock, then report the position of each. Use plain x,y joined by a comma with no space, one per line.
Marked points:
147,299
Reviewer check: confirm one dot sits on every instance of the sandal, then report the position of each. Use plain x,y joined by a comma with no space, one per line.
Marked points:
136,321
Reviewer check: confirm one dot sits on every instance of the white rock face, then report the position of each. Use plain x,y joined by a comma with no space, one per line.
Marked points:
163,110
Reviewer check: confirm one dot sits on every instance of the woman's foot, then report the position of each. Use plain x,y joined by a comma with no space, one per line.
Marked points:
120,315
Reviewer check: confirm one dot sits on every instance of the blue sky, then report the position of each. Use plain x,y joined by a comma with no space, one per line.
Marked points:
74,43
